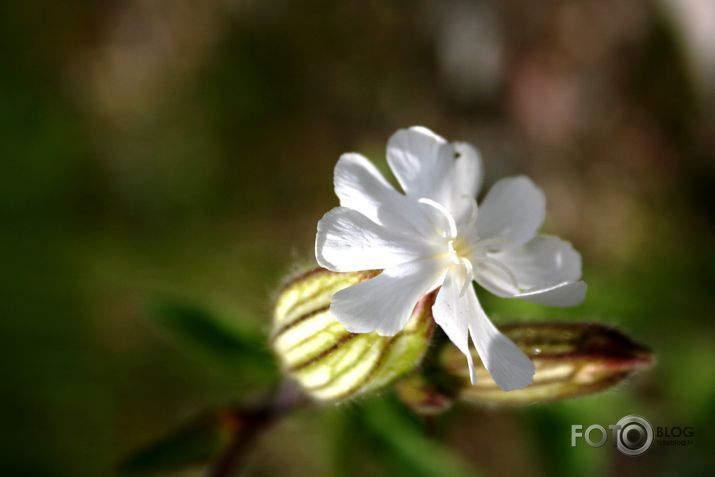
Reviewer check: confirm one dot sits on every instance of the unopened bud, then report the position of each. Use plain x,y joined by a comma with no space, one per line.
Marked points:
329,362
571,359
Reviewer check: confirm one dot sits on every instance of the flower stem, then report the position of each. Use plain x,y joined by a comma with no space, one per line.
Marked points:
252,422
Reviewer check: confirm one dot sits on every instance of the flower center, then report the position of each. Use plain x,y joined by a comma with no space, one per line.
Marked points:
461,254
461,264
453,255
458,250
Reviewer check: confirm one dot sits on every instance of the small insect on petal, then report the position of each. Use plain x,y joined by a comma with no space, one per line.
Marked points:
329,362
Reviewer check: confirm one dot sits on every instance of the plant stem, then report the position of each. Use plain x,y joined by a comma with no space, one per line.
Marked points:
252,423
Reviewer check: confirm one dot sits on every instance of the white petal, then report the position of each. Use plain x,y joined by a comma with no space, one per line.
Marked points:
360,186
468,169
451,315
560,294
464,182
461,315
542,262
546,270
427,166
509,366
421,161
384,304
513,209
465,213
347,241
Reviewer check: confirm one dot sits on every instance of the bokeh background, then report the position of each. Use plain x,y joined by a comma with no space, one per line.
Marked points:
184,149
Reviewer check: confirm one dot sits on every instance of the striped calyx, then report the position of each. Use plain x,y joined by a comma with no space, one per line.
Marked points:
571,359
328,361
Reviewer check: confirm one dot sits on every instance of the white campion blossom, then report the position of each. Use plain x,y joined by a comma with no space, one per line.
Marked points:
434,236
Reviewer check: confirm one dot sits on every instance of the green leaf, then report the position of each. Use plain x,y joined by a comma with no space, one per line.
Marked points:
214,337
402,439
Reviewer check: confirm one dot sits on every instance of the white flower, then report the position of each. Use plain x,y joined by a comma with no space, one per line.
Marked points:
434,236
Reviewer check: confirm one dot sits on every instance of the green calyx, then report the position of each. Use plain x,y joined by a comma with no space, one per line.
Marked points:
329,362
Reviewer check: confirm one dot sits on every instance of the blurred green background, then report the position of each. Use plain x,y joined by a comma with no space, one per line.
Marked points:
184,149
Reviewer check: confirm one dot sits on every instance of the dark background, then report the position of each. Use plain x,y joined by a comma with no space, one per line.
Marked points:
185,148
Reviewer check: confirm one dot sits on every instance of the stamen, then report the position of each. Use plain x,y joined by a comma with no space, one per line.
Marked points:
452,252
467,268
439,207
502,267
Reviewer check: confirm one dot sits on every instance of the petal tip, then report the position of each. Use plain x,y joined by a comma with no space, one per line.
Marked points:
521,380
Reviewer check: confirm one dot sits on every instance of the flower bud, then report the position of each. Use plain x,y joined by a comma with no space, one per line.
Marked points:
571,359
329,362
